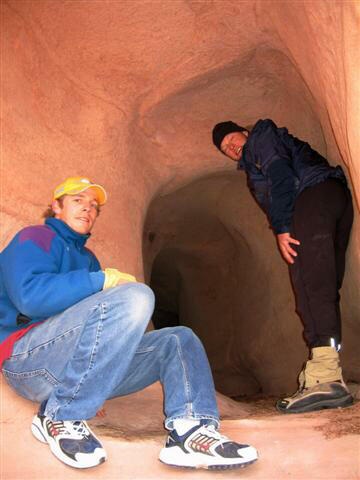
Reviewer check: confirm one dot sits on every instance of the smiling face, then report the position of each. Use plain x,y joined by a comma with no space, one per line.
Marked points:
78,211
233,143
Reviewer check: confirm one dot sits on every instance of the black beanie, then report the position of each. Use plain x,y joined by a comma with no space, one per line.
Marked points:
222,129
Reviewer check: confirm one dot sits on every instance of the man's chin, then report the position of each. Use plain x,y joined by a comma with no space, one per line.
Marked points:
82,229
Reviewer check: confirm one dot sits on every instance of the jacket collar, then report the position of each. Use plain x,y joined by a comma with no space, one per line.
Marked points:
67,233
240,164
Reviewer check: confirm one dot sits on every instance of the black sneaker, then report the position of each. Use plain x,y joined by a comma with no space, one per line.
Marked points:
318,397
72,442
204,447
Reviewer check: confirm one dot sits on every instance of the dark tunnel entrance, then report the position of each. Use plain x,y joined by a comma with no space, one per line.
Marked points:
212,263
165,282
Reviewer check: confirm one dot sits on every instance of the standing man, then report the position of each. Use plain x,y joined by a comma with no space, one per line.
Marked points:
73,335
309,208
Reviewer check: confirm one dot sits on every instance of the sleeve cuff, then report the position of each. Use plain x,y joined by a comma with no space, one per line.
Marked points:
283,229
97,280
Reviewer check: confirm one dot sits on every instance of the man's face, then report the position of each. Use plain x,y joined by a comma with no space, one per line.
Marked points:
78,211
233,143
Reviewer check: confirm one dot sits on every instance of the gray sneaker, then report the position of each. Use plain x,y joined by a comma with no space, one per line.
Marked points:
321,396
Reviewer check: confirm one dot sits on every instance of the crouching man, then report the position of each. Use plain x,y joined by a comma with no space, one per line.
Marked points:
73,335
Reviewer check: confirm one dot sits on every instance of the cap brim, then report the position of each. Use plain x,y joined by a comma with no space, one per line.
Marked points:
101,195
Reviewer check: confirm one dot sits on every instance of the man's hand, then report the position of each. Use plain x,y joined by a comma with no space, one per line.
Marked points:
114,277
284,240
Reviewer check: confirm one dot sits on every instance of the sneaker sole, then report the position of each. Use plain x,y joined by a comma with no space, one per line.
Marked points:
40,435
211,467
177,458
322,405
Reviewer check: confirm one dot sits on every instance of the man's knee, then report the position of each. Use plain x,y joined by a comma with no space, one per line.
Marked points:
185,335
138,298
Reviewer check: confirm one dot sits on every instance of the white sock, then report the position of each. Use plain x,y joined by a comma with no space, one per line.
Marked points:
183,425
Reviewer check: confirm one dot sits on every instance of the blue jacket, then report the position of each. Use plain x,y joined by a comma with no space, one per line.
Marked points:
278,168
44,270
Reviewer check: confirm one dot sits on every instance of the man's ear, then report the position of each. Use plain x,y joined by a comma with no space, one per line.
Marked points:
55,207
246,133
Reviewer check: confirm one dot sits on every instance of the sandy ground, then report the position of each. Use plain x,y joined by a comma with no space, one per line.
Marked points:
323,445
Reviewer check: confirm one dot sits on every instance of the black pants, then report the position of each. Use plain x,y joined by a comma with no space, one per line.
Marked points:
322,223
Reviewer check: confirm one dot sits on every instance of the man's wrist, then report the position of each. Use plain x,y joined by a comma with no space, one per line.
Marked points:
283,229
97,280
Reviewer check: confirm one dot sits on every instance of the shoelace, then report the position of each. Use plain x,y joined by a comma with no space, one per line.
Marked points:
71,428
215,434
80,428
302,388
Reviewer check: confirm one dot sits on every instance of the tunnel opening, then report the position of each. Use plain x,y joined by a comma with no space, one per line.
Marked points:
165,282
212,263
208,251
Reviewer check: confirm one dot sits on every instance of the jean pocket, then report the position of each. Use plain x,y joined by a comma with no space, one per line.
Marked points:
35,385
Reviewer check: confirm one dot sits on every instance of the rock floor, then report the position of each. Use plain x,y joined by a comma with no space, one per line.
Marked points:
323,445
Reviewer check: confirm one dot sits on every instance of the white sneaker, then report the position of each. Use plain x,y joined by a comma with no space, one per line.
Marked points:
204,447
72,442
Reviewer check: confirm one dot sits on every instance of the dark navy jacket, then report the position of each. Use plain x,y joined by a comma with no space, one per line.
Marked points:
278,168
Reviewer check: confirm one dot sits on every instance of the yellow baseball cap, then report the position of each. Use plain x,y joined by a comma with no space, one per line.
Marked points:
74,185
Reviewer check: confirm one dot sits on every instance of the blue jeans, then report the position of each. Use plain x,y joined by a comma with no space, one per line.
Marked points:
97,349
